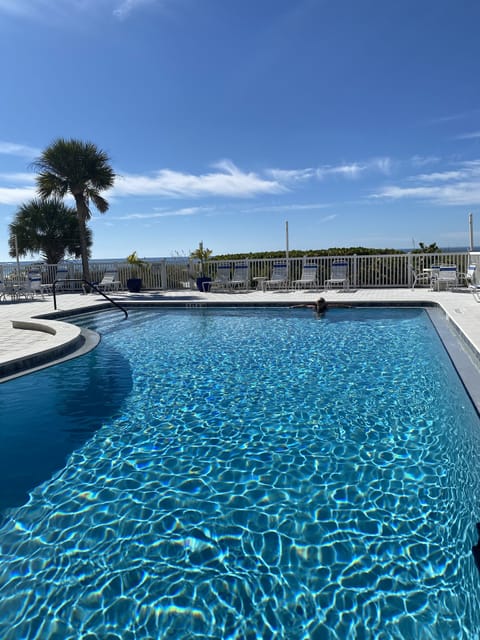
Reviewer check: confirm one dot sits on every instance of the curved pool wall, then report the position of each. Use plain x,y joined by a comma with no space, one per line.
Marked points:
260,474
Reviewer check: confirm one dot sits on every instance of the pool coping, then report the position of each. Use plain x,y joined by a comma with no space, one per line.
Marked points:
82,342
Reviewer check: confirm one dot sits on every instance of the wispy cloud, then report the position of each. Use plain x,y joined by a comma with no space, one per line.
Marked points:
15,196
422,161
186,211
282,208
468,136
227,181
454,116
329,218
291,175
63,9
458,187
350,170
124,8
355,169
29,178
21,150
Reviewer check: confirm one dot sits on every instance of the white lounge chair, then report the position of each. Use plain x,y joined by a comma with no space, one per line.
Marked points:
279,277
222,278
338,276
447,277
34,282
469,276
61,275
471,281
240,278
308,277
109,281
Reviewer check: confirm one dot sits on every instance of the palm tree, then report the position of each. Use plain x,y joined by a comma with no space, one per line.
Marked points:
47,227
82,170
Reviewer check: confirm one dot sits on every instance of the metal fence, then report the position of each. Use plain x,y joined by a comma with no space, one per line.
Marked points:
366,271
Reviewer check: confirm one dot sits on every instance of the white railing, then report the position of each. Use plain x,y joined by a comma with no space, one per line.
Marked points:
369,271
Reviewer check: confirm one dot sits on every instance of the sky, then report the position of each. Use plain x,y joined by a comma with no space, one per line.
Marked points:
357,121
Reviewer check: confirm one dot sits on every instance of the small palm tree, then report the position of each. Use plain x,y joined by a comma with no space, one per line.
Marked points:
47,227
82,170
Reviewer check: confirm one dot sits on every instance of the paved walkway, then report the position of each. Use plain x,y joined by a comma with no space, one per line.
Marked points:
25,335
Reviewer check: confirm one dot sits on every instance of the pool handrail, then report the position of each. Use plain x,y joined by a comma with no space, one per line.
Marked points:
93,286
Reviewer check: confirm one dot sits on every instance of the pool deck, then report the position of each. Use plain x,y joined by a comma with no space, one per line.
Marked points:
29,340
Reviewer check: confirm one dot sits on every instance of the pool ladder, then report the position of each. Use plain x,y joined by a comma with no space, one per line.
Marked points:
89,284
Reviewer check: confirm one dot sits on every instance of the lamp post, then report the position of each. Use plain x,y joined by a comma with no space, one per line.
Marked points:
16,255
470,227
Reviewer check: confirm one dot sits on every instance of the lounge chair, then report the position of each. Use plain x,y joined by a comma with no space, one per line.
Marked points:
471,281
240,278
222,278
279,277
109,281
447,276
308,277
61,275
469,276
338,276
34,282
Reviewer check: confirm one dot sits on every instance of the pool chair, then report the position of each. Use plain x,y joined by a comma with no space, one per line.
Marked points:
469,276
279,277
109,281
338,276
13,289
4,291
222,278
34,283
447,277
241,276
471,281
308,277
426,276
61,276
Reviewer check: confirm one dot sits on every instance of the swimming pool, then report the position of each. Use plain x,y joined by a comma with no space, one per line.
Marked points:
243,474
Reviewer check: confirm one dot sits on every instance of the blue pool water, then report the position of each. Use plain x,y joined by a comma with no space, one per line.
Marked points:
242,474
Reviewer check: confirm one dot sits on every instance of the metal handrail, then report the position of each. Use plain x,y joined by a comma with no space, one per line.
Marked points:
90,284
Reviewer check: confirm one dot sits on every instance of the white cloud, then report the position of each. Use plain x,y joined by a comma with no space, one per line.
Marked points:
18,177
346,170
229,181
457,187
286,207
13,196
454,116
186,211
351,170
63,9
126,7
291,175
468,136
421,161
21,150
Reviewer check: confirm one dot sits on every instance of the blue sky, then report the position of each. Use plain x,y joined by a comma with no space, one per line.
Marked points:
358,121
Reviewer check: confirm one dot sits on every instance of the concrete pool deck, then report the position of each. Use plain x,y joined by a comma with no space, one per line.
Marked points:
29,340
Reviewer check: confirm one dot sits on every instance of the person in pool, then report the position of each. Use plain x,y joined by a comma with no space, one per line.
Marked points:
319,306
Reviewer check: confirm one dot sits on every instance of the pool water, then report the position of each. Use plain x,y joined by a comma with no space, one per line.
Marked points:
246,474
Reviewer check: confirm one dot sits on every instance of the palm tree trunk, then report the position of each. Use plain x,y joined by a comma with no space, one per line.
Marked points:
82,213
